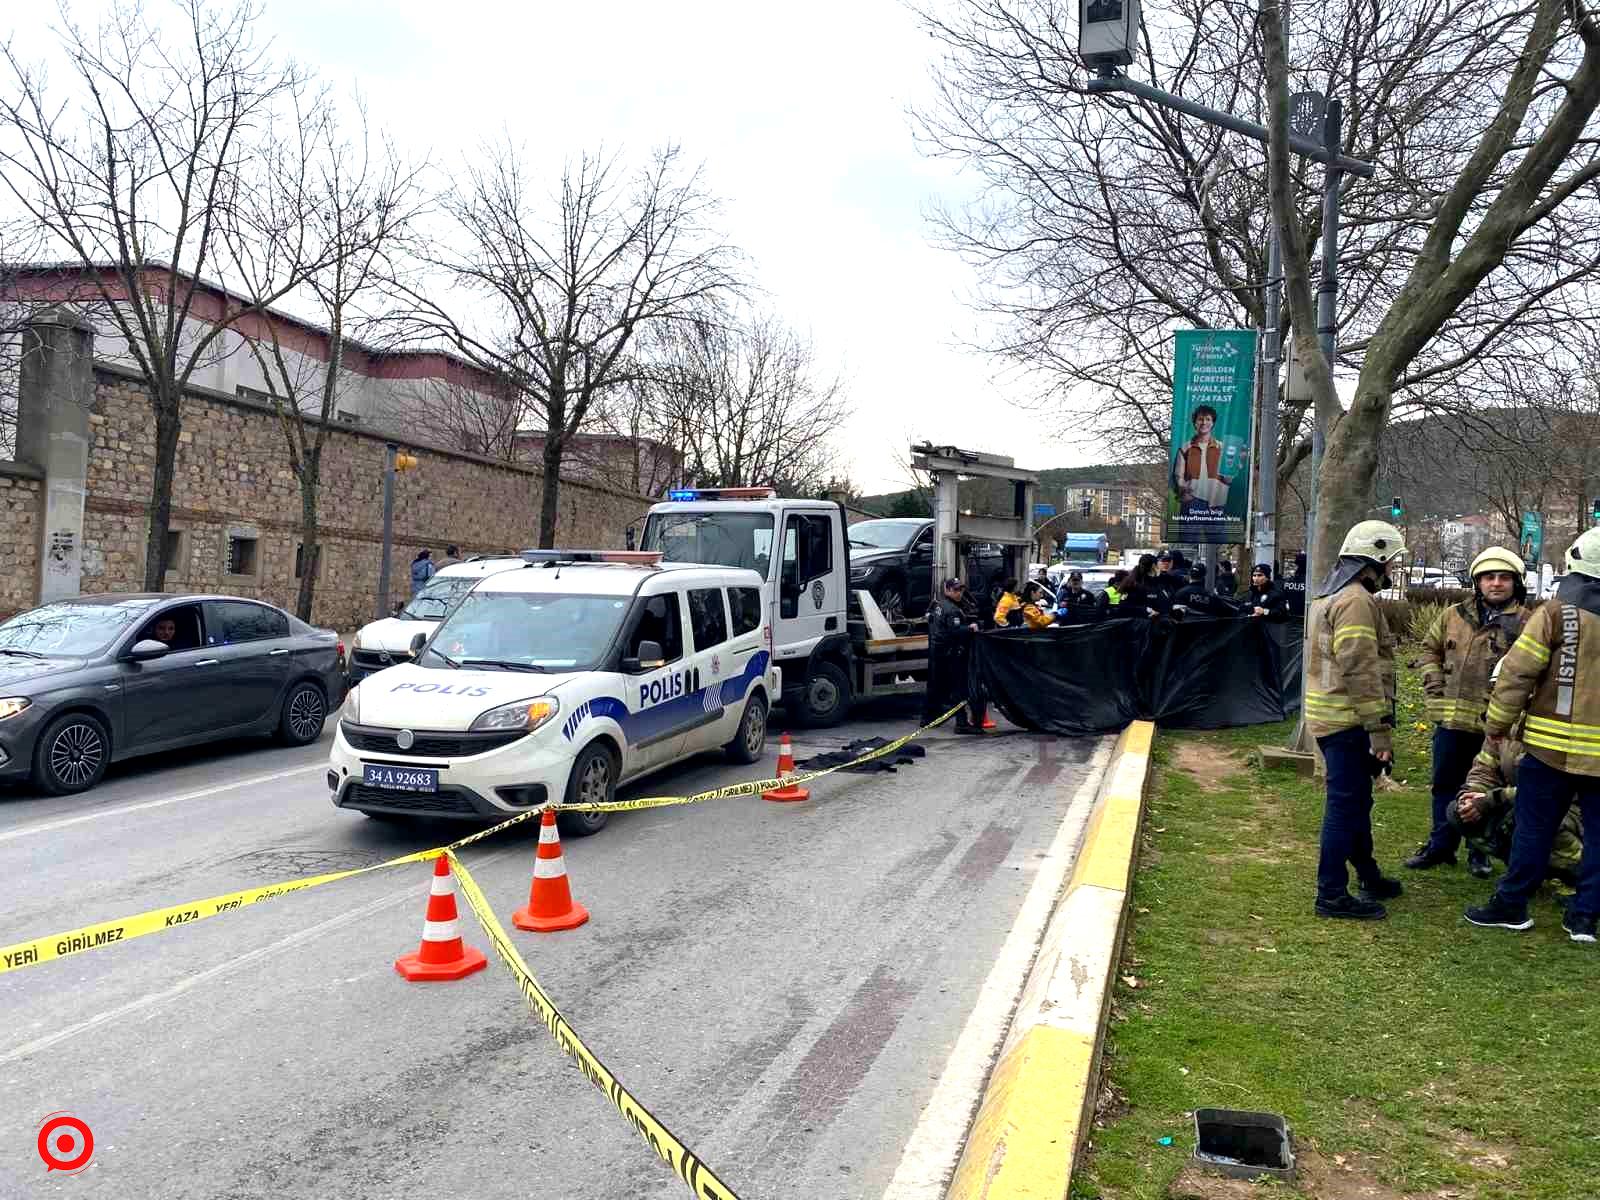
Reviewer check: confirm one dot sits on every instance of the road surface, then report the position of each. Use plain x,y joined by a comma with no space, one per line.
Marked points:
781,984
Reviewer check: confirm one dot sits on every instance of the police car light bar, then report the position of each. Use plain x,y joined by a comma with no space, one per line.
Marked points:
637,558
732,493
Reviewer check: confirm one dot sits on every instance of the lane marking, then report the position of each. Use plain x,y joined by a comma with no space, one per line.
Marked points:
48,826
188,983
930,1156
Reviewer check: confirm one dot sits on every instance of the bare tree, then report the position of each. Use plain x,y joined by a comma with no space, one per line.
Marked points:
1107,223
332,214
744,401
571,283
132,172
479,415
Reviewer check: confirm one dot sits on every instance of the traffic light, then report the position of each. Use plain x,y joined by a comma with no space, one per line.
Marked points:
404,461
1397,511
1595,510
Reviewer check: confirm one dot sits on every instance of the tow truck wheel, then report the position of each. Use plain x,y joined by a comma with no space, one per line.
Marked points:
751,739
825,698
593,781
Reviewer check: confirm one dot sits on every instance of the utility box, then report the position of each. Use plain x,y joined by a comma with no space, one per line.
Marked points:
1243,1145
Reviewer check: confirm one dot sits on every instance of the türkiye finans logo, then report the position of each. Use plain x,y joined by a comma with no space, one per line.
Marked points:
65,1143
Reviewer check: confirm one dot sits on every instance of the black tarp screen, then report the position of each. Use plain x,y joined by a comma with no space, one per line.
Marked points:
1199,673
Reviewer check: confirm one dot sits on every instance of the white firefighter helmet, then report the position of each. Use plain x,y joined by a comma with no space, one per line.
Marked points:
1497,558
1583,556
1376,541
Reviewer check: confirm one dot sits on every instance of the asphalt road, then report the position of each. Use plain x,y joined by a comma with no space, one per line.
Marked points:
780,984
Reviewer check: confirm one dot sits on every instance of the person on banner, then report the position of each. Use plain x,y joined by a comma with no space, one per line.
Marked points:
1075,604
1459,653
1265,598
1484,814
1349,709
1197,471
951,630
1550,680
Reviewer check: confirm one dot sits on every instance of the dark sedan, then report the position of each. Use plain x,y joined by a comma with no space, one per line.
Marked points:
91,680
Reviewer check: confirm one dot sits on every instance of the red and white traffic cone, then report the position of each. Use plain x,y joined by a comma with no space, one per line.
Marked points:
789,792
442,955
550,904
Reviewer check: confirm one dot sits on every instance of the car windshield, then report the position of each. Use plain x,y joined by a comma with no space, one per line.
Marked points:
433,601
717,539
70,630
884,535
526,630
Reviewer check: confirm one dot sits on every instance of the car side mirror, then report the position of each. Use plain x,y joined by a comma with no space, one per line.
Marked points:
649,657
147,649
418,641
630,537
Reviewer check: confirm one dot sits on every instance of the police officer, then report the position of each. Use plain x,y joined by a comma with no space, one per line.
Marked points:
950,633
1349,709
1459,655
1550,679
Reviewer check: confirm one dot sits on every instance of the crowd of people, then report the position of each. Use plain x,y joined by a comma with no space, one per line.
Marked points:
1513,693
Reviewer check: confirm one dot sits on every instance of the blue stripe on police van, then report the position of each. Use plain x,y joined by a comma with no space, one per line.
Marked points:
670,716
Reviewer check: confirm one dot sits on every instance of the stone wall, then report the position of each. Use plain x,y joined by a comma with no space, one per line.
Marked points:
236,507
21,496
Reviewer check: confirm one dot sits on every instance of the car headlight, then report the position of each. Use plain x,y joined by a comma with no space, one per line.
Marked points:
526,715
12,705
352,706
857,574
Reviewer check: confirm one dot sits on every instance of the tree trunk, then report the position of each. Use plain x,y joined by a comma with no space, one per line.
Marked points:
1349,467
311,540
550,493
168,422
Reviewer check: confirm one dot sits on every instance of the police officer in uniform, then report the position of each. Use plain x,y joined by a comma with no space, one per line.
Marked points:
950,633
1550,679
1349,709
1458,658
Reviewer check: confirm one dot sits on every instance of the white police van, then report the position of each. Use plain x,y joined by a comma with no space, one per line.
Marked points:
558,681
381,644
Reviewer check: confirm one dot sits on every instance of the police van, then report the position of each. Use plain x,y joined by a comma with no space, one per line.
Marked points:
558,681
381,644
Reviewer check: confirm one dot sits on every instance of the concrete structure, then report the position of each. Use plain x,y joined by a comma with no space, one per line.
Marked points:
74,504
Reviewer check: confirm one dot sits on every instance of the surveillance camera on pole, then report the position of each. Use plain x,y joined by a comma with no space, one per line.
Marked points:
1108,32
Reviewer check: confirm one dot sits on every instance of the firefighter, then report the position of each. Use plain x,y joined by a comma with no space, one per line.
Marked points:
1550,679
1349,709
1458,656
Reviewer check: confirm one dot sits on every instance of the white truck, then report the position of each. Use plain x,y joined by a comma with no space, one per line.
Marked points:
831,642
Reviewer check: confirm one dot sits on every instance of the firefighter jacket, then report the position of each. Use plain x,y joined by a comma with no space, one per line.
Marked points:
1036,617
1493,776
1458,656
1552,674
1350,667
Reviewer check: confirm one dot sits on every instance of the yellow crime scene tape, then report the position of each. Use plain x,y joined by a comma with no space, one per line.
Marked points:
35,951
702,1180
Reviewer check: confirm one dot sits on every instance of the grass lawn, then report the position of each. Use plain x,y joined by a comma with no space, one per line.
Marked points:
1417,1056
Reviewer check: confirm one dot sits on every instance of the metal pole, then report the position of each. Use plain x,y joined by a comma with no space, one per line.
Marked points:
388,531
1327,303
1270,415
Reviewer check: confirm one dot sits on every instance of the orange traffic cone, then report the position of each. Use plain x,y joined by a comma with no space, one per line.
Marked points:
789,792
442,955
550,903
988,721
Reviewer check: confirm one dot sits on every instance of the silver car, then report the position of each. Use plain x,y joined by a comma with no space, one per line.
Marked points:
88,681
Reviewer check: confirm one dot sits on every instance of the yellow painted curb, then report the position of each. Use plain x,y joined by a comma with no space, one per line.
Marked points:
1024,1138
1036,1110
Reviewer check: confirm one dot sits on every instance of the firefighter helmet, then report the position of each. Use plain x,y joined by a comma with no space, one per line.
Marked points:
1376,541
1497,558
1583,556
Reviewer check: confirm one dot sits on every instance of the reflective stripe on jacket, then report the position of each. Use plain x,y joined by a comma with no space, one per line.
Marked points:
1493,776
1350,667
1552,674
1458,657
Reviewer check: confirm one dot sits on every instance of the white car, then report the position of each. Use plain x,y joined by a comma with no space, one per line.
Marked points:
557,683
384,643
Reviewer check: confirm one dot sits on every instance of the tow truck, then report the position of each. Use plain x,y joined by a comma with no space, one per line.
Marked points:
834,645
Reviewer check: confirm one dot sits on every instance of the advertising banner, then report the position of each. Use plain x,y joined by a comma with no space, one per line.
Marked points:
1208,477
1532,539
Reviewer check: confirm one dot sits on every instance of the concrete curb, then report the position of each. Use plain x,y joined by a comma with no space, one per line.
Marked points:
1038,1107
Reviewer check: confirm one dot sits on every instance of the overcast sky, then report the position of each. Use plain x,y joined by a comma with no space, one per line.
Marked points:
800,117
